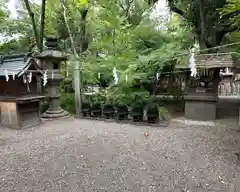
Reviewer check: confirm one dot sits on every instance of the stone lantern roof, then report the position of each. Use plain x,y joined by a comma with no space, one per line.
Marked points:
52,51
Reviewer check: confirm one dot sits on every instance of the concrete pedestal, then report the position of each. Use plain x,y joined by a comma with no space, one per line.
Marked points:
55,114
200,108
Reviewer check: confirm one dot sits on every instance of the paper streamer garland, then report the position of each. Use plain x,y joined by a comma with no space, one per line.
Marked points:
115,76
13,75
192,64
6,74
45,78
30,77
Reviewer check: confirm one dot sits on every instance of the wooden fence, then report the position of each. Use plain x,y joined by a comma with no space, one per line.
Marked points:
229,89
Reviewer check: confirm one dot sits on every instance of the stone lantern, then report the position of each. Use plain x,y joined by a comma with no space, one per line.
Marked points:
50,62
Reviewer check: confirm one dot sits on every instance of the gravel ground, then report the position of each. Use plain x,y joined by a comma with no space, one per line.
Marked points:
82,155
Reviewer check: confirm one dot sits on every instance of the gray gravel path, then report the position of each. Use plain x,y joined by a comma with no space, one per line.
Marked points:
83,155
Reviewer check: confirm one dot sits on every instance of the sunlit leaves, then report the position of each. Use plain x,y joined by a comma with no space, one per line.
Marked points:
81,3
233,7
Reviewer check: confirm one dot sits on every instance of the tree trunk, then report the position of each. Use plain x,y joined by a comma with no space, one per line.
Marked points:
34,26
83,43
68,29
202,24
76,69
42,24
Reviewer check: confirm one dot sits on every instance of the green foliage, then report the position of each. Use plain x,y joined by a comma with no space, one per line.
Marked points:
67,100
44,106
135,51
99,98
164,114
19,45
233,7
216,25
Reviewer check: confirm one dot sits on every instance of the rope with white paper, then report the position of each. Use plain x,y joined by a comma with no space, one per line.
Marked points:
13,75
30,77
115,76
45,78
6,74
192,63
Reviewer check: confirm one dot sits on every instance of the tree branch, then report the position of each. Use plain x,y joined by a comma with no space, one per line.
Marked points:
231,28
34,26
151,2
175,9
83,13
68,28
127,9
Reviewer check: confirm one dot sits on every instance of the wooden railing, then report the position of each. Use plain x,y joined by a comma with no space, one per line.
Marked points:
229,89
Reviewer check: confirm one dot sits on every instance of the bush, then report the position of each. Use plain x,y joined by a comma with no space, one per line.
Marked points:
96,109
67,101
44,106
152,110
164,114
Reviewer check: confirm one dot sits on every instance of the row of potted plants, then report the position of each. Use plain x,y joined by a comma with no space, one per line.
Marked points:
122,111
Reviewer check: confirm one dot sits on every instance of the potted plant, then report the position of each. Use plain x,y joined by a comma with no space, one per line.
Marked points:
152,113
108,111
137,112
66,86
122,112
86,109
96,110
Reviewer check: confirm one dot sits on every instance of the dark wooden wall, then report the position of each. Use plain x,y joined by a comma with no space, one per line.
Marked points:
16,88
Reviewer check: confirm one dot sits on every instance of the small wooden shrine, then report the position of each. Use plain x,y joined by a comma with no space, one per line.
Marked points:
19,99
202,91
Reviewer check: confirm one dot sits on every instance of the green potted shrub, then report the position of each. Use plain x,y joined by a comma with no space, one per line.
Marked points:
96,110
122,111
137,112
108,111
152,113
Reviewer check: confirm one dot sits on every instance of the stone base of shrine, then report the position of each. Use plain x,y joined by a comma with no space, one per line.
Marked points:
55,114
200,108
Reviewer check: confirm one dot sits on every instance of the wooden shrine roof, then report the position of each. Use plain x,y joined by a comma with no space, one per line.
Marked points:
212,61
16,63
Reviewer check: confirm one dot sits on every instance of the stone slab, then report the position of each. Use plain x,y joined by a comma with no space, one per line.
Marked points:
200,110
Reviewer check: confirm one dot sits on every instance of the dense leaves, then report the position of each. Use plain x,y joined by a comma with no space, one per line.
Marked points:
233,7
210,26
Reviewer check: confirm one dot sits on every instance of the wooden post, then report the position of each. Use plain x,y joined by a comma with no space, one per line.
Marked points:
77,88
239,117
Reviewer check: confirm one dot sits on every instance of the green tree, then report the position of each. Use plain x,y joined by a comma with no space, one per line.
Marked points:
209,26
232,7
